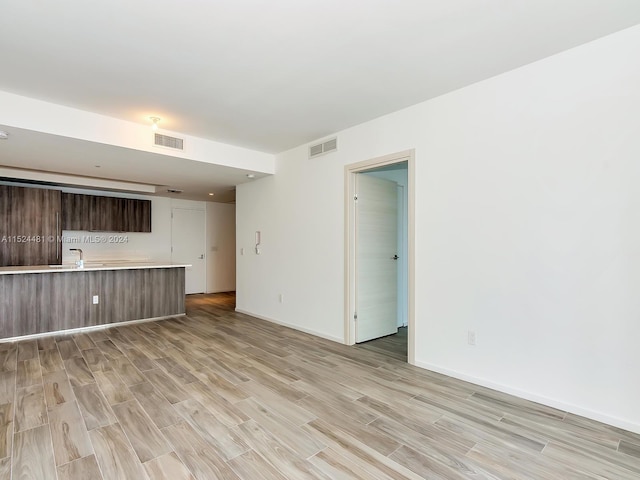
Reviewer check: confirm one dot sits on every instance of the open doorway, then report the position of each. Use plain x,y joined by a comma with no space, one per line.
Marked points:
379,254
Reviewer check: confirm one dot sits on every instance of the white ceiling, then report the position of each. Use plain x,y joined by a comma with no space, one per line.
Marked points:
271,75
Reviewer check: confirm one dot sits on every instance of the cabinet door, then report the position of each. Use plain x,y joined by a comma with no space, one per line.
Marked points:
76,211
138,216
111,214
52,225
105,214
30,226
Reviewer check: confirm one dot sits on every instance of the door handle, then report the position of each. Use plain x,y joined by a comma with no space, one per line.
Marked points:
395,257
201,257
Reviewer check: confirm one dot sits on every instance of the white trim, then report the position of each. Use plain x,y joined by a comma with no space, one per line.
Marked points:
293,327
349,241
88,329
550,402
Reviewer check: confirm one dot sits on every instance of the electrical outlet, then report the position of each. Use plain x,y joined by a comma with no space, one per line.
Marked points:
96,300
281,298
471,337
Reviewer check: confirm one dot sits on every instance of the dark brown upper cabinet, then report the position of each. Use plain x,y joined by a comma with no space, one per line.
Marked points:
30,226
105,214
76,211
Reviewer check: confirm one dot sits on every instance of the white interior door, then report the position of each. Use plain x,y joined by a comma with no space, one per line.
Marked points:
403,263
376,244
188,246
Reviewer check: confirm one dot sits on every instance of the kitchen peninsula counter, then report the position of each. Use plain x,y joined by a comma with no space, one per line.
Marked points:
48,299
88,266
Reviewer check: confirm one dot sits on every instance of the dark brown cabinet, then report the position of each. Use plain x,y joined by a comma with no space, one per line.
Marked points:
76,211
30,226
105,214
137,215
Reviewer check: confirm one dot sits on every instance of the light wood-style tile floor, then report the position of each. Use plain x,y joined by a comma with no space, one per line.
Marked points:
393,345
217,394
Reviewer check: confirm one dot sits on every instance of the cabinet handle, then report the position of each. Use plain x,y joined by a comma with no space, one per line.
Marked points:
57,235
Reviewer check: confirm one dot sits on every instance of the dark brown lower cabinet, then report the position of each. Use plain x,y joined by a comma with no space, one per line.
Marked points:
30,226
33,303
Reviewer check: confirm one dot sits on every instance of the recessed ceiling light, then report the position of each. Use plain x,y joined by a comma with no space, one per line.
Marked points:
250,175
211,194
3,135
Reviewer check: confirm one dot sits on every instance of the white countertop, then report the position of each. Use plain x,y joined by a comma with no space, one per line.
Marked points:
88,266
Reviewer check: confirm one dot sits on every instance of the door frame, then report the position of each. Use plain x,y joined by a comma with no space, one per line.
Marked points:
350,172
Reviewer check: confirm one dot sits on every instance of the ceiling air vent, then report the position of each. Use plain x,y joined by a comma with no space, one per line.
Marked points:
322,148
160,140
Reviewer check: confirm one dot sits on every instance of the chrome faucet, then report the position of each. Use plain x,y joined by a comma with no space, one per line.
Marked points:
79,263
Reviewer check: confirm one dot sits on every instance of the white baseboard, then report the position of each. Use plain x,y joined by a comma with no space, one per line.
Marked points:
550,402
294,327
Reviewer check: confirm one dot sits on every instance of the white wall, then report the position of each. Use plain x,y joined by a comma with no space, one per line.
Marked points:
527,230
221,247
299,212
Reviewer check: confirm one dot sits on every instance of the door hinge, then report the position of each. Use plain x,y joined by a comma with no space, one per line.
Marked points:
355,197
355,315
